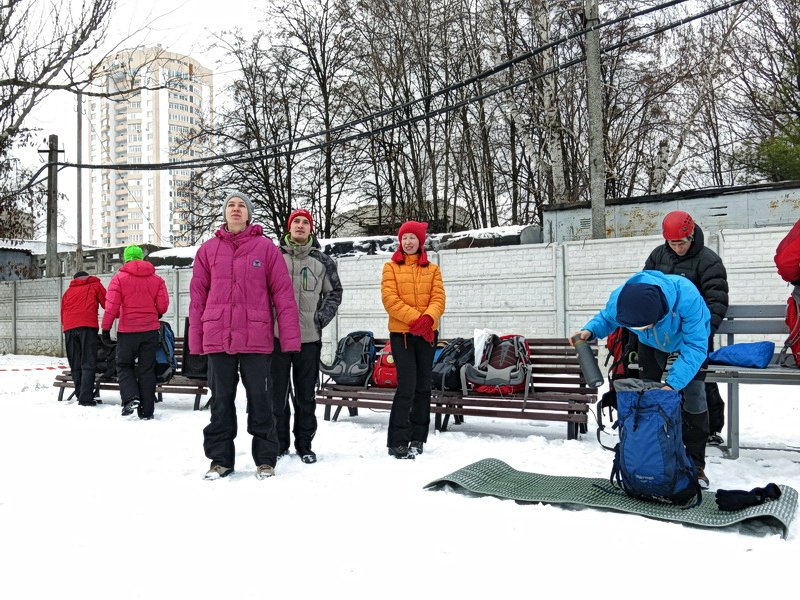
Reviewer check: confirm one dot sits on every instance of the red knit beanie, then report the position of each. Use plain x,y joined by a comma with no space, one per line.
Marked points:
300,212
419,229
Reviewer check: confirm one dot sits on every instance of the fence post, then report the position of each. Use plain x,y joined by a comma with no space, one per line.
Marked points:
13,317
177,280
58,321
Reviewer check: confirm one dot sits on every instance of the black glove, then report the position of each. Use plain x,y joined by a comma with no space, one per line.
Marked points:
106,335
740,499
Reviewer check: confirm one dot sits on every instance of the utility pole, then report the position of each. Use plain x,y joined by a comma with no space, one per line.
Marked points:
594,109
79,246
53,268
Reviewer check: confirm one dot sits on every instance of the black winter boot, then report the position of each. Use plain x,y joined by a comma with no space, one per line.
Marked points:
716,408
401,452
695,434
130,406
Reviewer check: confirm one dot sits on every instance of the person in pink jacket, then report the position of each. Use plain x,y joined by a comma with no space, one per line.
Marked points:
239,281
138,297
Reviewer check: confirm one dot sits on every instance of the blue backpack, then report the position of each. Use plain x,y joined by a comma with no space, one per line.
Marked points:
166,363
650,460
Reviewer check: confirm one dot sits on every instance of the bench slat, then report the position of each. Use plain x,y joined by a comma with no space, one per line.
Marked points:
747,311
763,327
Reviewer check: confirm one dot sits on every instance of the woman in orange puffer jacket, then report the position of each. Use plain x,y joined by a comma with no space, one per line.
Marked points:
413,295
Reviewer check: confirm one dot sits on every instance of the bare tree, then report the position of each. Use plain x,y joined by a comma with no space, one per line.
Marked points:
258,127
767,90
40,46
320,34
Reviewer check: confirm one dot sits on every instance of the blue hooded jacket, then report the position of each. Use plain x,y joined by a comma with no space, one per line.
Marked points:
685,327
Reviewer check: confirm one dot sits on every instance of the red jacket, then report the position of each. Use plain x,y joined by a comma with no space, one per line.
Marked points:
79,303
137,296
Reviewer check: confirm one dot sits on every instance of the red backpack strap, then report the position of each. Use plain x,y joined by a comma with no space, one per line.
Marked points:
787,256
792,344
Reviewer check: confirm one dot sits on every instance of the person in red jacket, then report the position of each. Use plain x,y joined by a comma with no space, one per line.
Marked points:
79,322
138,297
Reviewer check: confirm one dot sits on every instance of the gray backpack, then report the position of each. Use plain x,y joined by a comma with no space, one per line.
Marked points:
354,360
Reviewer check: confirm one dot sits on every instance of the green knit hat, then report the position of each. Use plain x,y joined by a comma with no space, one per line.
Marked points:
133,253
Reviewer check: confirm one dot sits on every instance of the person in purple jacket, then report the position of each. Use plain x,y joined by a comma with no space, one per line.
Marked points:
239,281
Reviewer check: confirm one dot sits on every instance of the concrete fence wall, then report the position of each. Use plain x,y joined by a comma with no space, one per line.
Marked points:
538,290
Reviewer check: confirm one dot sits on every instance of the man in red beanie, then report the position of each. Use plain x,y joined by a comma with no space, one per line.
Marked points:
318,293
685,253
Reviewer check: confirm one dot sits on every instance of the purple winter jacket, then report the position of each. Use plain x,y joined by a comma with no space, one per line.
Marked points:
239,281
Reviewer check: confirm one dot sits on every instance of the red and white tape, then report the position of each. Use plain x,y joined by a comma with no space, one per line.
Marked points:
58,368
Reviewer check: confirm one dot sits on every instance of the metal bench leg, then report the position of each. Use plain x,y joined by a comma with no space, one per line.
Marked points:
336,414
733,421
572,431
61,394
444,423
197,401
327,415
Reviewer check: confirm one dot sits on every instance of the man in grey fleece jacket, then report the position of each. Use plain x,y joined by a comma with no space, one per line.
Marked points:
318,293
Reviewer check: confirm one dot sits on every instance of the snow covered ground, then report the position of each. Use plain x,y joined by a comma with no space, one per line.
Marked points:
94,505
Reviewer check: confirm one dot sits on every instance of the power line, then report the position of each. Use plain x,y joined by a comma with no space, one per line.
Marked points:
265,152
260,151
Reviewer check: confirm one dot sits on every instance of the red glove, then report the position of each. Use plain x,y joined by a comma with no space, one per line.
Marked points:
419,326
427,334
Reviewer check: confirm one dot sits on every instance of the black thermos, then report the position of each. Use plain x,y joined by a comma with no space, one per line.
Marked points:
588,362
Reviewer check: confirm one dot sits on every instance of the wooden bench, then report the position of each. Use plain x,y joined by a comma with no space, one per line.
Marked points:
754,320
179,384
558,393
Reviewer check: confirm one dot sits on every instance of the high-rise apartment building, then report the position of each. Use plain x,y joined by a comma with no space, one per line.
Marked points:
148,126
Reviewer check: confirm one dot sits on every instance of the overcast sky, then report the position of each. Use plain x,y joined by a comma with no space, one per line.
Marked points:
183,26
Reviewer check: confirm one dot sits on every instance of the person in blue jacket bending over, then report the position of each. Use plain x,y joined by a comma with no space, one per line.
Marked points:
668,315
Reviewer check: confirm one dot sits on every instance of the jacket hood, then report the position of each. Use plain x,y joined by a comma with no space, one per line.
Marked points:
139,268
83,281
249,231
299,251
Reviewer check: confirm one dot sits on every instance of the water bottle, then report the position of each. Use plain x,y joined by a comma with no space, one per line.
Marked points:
588,362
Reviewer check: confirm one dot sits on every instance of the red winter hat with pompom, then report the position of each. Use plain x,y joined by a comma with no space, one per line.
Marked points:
419,229
300,212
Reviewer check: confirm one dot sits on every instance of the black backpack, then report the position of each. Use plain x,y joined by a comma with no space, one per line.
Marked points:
446,373
354,360
106,361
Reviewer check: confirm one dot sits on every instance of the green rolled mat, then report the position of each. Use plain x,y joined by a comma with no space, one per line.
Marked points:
493,477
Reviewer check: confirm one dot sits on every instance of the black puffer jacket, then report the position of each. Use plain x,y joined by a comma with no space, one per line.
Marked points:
700,265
